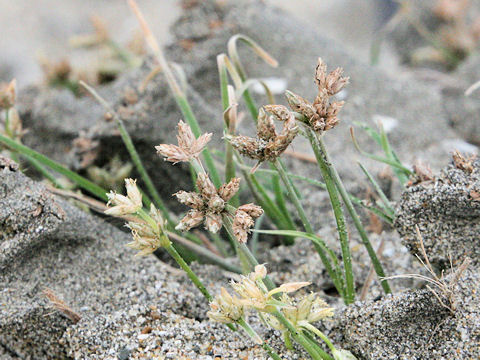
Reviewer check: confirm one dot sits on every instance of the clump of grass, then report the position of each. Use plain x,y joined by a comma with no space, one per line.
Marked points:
216,205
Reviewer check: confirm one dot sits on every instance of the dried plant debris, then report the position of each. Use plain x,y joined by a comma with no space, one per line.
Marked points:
413,325
59,305
447,212
442,289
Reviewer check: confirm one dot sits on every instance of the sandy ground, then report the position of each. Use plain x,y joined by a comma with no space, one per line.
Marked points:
31,28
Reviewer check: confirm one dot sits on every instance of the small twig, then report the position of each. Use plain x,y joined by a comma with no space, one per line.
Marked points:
207,243
301,156
447,289
472,88
61,306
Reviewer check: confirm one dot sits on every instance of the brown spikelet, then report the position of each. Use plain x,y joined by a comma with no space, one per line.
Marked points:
213,222
227,191
265,126
244,220
251,209
321,115
8,94
279,111
247,146
188,148
191,220
463,163
191,199
205,186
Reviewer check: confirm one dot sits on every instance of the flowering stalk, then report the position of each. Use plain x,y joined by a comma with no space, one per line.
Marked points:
310,347
255,337
339,217
178,94
239,77
337,354
149,236
319,146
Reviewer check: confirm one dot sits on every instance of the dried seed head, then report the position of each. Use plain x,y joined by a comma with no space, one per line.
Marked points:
321,74
213,222
124,205
281,142
265,126
188,148
205,187
227,191
302,106
244,221
279,111
8,94
335,81
145,245
173,153
463,163
216,204
191,199
247,146
251,209
224,308
192,219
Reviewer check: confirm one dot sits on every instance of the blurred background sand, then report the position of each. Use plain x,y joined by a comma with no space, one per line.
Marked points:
31,28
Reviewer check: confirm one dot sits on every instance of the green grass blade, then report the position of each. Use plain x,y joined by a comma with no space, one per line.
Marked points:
83,183
378,189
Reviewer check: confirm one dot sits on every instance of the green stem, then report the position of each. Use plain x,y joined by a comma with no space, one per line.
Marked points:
293,197
312,340
203,252
298,337
262,198
85,184
280,200
317,332
324,166
287,339
45,173
245,254
244,261
176,256
356,219
258,340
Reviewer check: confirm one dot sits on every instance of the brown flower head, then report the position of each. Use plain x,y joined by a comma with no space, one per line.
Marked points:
244,220
208,205
8,94
268,145
188,147
321,115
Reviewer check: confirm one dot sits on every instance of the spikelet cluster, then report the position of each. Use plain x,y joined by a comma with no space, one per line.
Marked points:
321,115
208,205
149,235
268,145
188,148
